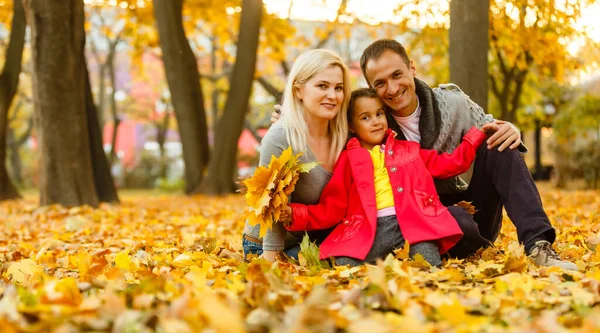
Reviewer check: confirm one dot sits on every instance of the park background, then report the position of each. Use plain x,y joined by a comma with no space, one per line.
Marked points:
541,73
124,126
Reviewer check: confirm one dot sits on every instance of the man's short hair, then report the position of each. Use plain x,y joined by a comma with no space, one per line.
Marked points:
377,48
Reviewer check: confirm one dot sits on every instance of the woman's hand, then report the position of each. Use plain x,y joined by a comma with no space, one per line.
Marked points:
270,255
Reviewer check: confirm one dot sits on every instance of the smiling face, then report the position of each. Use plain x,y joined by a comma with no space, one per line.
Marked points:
368,122
394,81
322,95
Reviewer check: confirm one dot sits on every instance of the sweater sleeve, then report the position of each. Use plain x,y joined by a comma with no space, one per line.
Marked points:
447,165
478,118
333,203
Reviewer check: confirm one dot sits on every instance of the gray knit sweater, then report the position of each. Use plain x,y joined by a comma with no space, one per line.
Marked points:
446,115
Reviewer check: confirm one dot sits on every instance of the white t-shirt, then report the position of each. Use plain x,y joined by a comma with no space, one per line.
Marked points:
410,124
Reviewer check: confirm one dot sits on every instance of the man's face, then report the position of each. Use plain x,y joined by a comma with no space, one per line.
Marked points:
394,82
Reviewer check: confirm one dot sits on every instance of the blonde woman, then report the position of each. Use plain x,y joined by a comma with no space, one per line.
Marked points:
314,122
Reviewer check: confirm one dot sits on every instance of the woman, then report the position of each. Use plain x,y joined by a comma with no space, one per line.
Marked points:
314,122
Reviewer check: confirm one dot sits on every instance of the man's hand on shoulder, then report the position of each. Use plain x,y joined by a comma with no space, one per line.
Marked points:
276,114
507,136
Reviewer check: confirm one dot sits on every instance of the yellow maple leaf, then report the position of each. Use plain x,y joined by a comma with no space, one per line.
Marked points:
468,206
24,271
402,253
182,260
455,313
259,187
122,260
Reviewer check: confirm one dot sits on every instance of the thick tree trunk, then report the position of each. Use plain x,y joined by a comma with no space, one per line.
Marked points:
104,183
469,43
59,82
184,83
222,166
9,81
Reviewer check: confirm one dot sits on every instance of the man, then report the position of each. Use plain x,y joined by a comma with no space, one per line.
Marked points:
437,119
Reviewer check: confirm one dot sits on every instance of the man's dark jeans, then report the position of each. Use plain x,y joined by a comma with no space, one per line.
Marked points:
499,179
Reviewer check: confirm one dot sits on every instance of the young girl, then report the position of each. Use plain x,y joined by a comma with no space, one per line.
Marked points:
383,193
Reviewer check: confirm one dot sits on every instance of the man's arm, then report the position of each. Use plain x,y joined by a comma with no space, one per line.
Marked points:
507,136
276,114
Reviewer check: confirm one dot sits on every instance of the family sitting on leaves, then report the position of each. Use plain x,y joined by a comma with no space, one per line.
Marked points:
390,156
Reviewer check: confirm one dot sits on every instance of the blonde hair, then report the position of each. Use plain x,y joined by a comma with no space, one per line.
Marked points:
306,66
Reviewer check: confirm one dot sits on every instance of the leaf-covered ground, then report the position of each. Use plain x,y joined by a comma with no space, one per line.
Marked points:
173,264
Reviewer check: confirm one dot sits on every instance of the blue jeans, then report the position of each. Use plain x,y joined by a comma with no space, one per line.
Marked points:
251,247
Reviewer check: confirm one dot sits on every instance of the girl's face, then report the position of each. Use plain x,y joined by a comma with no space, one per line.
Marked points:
323,95
368,121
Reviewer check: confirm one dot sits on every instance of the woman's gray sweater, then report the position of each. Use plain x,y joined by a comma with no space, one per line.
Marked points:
308,188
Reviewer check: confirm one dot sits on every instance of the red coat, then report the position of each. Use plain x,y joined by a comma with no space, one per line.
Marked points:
349,196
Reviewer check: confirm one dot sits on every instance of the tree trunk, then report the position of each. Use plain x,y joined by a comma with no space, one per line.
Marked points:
110,62
14,145
59,82
215,90
162,129
104,183
221,168
15,158
186,94
469,21
9,81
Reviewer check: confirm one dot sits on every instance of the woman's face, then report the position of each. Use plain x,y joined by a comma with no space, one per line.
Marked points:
323,95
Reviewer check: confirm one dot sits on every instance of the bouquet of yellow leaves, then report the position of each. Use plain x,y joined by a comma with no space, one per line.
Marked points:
268,189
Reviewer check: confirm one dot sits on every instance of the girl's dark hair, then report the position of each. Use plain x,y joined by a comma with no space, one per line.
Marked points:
356,94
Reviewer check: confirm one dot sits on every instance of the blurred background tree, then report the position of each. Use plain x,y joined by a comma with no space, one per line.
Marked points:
161,109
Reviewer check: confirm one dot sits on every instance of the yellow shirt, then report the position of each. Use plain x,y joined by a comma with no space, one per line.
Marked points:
383,188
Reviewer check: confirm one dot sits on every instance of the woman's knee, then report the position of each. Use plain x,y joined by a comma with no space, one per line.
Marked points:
250,247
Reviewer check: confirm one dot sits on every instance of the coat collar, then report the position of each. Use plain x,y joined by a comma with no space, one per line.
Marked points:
390,134
430,119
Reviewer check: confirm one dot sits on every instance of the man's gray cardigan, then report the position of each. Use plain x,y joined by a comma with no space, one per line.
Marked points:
446,115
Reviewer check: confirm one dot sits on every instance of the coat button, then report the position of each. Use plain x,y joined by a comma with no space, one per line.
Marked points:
393,169
391,152
400,189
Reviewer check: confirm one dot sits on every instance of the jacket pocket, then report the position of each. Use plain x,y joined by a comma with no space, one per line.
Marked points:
347,229
428,203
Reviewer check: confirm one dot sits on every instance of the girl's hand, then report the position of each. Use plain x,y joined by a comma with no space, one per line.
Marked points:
286,215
